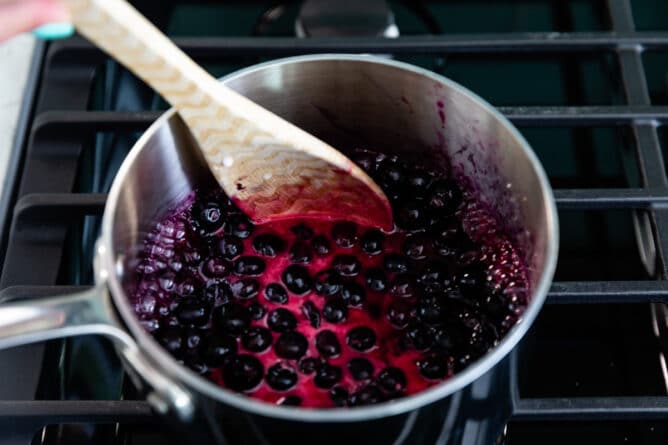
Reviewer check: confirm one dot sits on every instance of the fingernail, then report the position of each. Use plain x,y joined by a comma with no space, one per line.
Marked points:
56,30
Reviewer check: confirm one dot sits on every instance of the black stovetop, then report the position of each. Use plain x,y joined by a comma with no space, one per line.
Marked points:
585,81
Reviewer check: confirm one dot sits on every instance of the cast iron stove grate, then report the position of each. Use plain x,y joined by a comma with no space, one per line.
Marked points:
73,127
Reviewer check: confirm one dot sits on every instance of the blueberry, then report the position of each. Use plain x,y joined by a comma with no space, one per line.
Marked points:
320,245
361,338
171,338
327,376
327,343
415,247
353,294
399,314
268,244
276,293
249,265
444,196
256,339
281,320
338,395
245,289
346,265
366,161
230,247
419,181
412,215
281,378
302,231
335,310
215,268
291,345
392,173
433,367
473,281
193,312
402,286
297,279
256,311
242,372
218,348
239,226
431,311
300,253
376,279
392,380
372,242
290,400
308,365
368,395
395,263
311,313
418,337
360,368
327,283
435,275
232,318
344,233
209,217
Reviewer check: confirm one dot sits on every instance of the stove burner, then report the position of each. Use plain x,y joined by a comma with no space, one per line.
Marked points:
325,18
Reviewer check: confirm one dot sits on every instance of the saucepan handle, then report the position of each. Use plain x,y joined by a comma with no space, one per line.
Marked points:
84,313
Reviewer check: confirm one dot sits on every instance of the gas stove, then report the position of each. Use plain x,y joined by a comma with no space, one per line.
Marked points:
586,83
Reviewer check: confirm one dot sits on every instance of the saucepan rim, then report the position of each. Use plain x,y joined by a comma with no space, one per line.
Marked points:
191,380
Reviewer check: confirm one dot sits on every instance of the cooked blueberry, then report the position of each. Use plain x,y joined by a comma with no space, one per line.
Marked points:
392,173
256,339
302,231
412,215
215,267
291,345
209,217
300,253
444,196
242,372
392,380
366,161
402,286
268,244
361,338
418,337
249,265
395,263
473,281
360,368
344,233
320,245
256,310
433,367
368,395
327,376
376,279
193,311
372,242
327,343
335,310
399,314
230,247
435,274
353,294
276,293
431,311
419,181
281,320
311,313
290,400
415,247
171,338
239,226
281,378
338,395
346,265
297,279
218,348
232,318
245,288
308,365
327,283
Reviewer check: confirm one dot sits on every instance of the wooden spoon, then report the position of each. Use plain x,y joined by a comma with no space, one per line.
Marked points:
269,167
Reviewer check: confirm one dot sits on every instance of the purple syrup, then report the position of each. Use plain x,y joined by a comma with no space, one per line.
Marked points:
319,313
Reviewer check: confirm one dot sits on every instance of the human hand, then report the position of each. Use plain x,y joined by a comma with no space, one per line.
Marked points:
17,16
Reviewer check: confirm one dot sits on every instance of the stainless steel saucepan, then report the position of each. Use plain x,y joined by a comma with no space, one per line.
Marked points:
348,101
